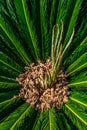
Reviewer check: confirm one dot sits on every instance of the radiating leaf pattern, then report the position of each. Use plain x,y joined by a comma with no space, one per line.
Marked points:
25,37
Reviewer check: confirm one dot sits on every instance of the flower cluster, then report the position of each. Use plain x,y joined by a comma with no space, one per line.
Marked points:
37,90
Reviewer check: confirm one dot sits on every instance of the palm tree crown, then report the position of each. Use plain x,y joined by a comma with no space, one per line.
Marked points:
43,64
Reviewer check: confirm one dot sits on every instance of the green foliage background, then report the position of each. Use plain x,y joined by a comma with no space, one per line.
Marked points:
25,36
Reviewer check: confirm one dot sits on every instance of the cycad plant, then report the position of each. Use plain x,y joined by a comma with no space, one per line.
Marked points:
43,65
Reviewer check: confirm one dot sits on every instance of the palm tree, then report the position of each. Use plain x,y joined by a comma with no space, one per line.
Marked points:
46,39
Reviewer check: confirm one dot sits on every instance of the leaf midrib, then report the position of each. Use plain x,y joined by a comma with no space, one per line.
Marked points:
19,118
50,124
78,101
12,42
76,114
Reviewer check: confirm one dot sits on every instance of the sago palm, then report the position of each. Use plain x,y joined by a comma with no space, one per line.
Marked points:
43,64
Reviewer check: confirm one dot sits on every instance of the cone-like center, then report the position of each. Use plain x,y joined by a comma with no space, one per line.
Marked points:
36,87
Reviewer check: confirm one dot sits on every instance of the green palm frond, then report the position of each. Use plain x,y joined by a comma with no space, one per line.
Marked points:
64,122
47,121
8,84
10,104
77,114
31,28
32,31
7,94
18,118
79,97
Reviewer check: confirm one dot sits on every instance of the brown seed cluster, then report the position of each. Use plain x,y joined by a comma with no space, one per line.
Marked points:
36,92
